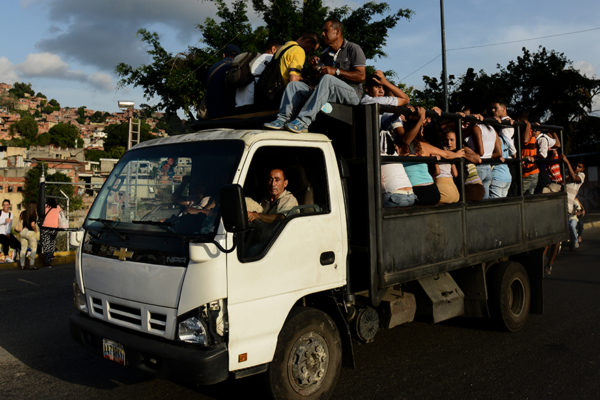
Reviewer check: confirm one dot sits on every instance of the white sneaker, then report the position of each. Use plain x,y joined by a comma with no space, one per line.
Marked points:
576,244
8,260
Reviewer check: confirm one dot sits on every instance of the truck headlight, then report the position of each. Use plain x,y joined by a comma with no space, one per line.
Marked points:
79,299
192,330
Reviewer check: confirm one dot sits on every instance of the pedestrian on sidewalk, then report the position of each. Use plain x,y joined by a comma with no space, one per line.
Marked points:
28,234
7,239
49,231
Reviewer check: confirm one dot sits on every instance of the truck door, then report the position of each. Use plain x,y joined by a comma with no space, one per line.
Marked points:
302,252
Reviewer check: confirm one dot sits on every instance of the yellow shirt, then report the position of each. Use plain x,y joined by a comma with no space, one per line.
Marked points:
292,61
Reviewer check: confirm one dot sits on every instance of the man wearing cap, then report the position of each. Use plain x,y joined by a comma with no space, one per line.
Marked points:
342,69
218,102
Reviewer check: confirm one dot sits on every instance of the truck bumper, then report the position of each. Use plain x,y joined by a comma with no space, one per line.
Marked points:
202,366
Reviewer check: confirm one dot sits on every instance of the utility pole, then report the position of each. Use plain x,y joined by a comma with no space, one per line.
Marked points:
444,70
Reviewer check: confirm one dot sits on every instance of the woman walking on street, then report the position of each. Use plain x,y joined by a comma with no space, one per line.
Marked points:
28,235
48,232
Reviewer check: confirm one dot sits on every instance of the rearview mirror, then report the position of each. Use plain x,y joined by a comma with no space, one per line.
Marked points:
233,208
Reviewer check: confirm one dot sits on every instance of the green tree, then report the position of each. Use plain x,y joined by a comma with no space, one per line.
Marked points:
178,79
19,89
98,117
26,127
32,184
64,135
54,104
117,135
40,95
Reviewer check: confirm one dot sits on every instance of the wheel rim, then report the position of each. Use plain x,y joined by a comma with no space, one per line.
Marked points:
308,363
516,297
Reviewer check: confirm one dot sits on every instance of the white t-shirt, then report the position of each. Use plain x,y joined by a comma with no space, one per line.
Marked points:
508,134
5,227
544,142
572,189
488,137
386,120
245,95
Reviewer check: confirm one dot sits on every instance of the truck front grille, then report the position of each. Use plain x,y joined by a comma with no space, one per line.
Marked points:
140,317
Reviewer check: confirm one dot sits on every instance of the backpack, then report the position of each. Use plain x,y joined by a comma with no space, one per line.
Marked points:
239,74
270,86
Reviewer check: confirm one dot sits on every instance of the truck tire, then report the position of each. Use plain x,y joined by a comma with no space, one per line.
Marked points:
308,357
509,295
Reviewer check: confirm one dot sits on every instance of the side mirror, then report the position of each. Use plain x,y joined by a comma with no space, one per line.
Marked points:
76,238
233,208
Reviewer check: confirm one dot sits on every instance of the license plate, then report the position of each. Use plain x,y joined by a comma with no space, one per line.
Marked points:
113,351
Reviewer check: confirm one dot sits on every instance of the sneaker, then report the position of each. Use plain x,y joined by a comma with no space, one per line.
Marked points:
297,126
278,124
576,245
8,260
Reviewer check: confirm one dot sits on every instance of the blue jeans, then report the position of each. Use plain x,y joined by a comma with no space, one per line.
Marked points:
573,230
530,183
485,173
398,199
299,101
498,189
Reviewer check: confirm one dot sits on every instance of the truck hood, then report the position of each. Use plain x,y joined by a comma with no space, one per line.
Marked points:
140,282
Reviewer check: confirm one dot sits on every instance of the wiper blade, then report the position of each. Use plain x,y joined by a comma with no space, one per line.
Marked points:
152,223
110,225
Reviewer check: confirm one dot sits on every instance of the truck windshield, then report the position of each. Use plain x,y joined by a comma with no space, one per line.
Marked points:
171,189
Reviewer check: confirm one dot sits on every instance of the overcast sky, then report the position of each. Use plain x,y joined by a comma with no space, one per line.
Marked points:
68,49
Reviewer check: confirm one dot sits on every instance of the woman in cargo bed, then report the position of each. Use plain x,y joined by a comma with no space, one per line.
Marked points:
410,142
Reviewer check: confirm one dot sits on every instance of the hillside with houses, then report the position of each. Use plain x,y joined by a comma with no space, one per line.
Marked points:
67,143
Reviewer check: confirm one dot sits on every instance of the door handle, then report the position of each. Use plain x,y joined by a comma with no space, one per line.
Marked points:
327,258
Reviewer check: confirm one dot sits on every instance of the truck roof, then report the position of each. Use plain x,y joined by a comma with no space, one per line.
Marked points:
249,136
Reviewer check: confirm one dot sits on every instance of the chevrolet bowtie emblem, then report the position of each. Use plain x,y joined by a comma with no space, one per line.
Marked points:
123,254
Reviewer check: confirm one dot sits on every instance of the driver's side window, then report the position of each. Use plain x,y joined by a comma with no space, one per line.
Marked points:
282,183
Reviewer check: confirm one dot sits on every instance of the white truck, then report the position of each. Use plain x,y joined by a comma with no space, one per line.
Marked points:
206,295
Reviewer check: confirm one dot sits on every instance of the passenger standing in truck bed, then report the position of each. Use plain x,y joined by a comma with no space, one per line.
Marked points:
342,70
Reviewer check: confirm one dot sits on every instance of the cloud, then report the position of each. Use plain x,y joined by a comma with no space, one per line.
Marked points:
7,71
103,33
49,65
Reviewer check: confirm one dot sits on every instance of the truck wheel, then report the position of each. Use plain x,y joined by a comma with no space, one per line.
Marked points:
509,295
308,357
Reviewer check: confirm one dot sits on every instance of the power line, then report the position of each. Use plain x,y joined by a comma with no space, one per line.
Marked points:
421,67
499,44
524,40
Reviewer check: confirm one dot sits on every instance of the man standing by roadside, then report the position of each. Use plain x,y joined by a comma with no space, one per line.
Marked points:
342,69
7,239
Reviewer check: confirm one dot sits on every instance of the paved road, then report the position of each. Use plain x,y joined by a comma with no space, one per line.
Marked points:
557,356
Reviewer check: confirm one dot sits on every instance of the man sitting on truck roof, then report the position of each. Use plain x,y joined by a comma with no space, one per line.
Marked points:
278,202
342,66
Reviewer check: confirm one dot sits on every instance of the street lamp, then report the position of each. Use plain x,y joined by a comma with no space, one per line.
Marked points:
127,105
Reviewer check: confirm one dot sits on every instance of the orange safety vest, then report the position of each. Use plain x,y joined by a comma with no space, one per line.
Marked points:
529,150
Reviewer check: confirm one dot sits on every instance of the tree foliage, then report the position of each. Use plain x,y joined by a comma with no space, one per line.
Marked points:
19,89
178,80
26,127
32,184
63,135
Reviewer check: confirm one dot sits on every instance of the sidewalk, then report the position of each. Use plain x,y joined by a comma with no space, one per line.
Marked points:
60,257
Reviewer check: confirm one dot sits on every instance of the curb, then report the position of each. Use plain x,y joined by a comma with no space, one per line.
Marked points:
591,225
60,257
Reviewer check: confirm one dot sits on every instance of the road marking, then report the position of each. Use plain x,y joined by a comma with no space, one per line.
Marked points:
31,283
